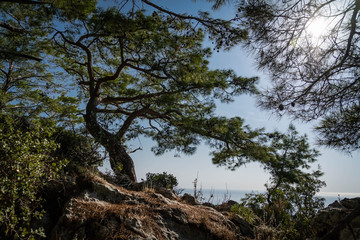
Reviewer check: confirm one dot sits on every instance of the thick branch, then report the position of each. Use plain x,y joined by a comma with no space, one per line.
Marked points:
109,100
136,114
112,77
112,111
10,27
88,63
17,54
352,31
24,1
147,71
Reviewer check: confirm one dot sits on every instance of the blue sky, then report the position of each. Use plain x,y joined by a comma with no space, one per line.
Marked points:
341,170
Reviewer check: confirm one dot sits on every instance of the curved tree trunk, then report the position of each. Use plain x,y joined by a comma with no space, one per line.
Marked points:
120,161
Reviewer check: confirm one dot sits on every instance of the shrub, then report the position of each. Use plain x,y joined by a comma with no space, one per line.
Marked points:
77,148
161,180
26,165
244,212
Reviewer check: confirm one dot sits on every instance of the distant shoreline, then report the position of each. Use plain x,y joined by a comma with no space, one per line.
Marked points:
221,195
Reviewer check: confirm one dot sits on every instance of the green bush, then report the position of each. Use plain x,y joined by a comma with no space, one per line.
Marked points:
161,180
77,148
26,165
244,212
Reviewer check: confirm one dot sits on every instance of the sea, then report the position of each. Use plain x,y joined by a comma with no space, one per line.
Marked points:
218,196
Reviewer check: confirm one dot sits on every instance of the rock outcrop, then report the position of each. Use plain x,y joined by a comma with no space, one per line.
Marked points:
105,211
86,206
339,221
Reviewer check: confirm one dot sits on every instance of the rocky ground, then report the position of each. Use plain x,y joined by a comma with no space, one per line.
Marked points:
102,210
340,220
89,207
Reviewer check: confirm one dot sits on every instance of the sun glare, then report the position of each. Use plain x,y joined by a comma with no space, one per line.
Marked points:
317,28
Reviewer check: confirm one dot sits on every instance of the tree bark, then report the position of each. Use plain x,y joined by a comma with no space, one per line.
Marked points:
120,161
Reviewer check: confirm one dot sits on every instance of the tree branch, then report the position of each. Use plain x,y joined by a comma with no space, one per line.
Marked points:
136,114
329,71
17,54
88,63
182,16
10,27
109,100
24,1
112,111
112,77
147,71
132,151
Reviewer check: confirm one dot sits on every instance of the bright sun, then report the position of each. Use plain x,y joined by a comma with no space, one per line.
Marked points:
316,28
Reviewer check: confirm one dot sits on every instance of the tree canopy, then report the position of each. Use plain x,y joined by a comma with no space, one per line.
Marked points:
148,74
314,76
28,83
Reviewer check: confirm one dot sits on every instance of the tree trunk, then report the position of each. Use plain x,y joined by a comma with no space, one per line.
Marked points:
120,161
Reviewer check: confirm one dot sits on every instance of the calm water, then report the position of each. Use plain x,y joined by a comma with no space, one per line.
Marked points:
220,196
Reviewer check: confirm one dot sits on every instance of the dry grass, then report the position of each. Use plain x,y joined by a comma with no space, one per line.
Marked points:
209,219
204,218
148,190
103,212
264,232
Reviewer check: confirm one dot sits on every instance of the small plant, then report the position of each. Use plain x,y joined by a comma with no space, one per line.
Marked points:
178,191
226,196
198,193
244,212
164,180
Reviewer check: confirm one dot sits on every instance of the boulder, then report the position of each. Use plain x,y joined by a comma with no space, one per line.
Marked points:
339,221
168,193
187,198
105,211
226,206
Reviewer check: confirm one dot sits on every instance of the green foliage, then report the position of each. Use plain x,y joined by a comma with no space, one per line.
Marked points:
70,10
28,88
164,180
245,212
76,148
28,84
26,165
289,203
341,130
149,75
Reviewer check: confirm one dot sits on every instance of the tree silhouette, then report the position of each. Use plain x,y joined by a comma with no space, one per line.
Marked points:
313,77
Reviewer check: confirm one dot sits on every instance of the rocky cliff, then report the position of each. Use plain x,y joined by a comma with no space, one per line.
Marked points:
339,221
101,210
86,206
